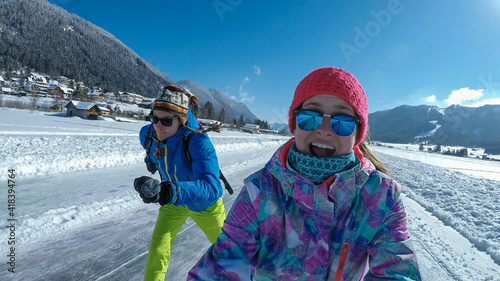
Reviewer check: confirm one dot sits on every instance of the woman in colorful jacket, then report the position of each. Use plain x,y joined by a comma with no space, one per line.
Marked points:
187,189
322,208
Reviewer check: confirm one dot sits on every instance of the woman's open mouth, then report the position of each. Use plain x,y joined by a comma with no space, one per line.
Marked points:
322,150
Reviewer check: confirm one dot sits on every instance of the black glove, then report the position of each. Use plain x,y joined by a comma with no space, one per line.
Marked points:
166,192
150,166
139,181
148,188
152,191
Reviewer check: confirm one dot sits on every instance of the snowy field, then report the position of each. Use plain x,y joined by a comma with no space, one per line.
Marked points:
79,218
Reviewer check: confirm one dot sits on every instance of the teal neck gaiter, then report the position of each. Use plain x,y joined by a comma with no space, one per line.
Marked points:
317,168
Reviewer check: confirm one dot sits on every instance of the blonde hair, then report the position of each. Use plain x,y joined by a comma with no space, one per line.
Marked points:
370,156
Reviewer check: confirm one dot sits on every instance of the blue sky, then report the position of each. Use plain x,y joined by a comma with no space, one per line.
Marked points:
402,51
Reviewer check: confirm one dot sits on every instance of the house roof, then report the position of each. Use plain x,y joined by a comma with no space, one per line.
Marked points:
38,75
81,105
252,126
103,106
104,109
131,94
63,88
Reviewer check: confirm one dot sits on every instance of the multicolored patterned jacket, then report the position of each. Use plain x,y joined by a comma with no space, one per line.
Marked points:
283,226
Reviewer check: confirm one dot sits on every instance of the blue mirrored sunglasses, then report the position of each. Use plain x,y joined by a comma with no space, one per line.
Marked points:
342,125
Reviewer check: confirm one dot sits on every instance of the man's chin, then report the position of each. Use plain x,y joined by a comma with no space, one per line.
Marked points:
162,136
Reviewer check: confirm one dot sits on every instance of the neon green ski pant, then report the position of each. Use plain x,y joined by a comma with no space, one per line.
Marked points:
170,219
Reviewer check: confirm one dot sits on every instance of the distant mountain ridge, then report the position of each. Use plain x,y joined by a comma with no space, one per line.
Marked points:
455,125
45,37
232,108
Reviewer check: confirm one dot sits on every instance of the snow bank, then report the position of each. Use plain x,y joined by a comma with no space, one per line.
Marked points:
55,220
468,204
34,156
37,144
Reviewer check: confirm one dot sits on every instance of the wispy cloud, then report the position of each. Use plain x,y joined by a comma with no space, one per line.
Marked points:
245,80
250,99
462,95
243,94
256,70
423,95
431,99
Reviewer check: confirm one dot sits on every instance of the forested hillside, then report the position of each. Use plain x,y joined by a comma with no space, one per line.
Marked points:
46,38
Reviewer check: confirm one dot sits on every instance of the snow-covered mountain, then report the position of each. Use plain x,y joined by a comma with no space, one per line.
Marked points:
45,37
232,108
279,127
455,125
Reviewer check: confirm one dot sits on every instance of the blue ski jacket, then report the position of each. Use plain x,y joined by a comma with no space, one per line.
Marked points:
196,185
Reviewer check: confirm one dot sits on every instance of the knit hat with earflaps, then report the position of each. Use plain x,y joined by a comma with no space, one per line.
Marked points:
336,82
175,100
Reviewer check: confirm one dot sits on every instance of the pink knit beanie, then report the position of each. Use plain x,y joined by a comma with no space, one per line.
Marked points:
336,82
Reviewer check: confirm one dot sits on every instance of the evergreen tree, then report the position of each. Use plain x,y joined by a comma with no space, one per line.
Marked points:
222,115
52,41
209,109
78,94
195,110
241,123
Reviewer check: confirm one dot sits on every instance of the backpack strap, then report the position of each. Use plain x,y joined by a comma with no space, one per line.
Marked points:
185,146
148,142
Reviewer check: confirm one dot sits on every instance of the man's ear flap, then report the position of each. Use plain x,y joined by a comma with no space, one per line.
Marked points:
192,100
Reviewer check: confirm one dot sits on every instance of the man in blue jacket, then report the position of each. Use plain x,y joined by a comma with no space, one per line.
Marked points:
188,187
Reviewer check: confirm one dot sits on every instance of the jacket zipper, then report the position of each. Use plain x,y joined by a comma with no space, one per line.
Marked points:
343,255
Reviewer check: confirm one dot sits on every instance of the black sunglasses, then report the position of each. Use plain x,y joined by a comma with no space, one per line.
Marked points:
167,122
